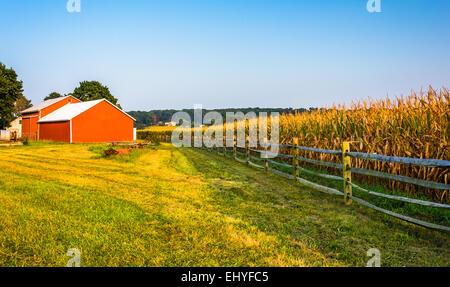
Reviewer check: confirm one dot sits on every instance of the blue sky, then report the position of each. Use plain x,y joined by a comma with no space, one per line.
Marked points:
231,53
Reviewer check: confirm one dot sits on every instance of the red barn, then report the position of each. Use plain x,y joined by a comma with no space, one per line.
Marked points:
31,116
87,122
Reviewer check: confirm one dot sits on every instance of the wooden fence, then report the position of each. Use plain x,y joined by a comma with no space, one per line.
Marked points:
241,152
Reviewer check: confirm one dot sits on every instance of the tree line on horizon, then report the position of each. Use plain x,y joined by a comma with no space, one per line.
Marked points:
156,117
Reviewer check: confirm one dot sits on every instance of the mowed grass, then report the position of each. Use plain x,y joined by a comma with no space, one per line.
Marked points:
182,207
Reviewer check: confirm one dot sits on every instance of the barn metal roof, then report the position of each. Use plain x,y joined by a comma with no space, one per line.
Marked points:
68,112
44,104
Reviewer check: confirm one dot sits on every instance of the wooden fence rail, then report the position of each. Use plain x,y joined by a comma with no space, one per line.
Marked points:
267,158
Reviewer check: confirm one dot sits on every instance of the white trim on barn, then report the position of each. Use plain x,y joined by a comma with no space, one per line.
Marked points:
39,128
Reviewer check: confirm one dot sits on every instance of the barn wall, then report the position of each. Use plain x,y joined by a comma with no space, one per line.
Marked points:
30,125
102,123
50,109
58,131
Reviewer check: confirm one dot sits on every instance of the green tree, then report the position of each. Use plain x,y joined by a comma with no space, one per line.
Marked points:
21,104
53,95
10,90
93,90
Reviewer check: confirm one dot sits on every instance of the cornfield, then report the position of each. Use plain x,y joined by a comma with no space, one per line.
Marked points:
416,126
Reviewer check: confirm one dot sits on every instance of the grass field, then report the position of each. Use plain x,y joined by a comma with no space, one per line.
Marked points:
166,207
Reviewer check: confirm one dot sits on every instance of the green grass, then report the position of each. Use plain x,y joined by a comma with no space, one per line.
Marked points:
431,214
161,206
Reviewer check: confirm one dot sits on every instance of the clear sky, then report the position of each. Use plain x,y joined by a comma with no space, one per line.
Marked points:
231,53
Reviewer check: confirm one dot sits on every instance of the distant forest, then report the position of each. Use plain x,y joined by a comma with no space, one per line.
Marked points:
156,117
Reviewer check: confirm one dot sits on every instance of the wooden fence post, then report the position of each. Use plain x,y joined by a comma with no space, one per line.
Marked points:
294,158
347,173
266,161
218,148
224,147
234,148
247,151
